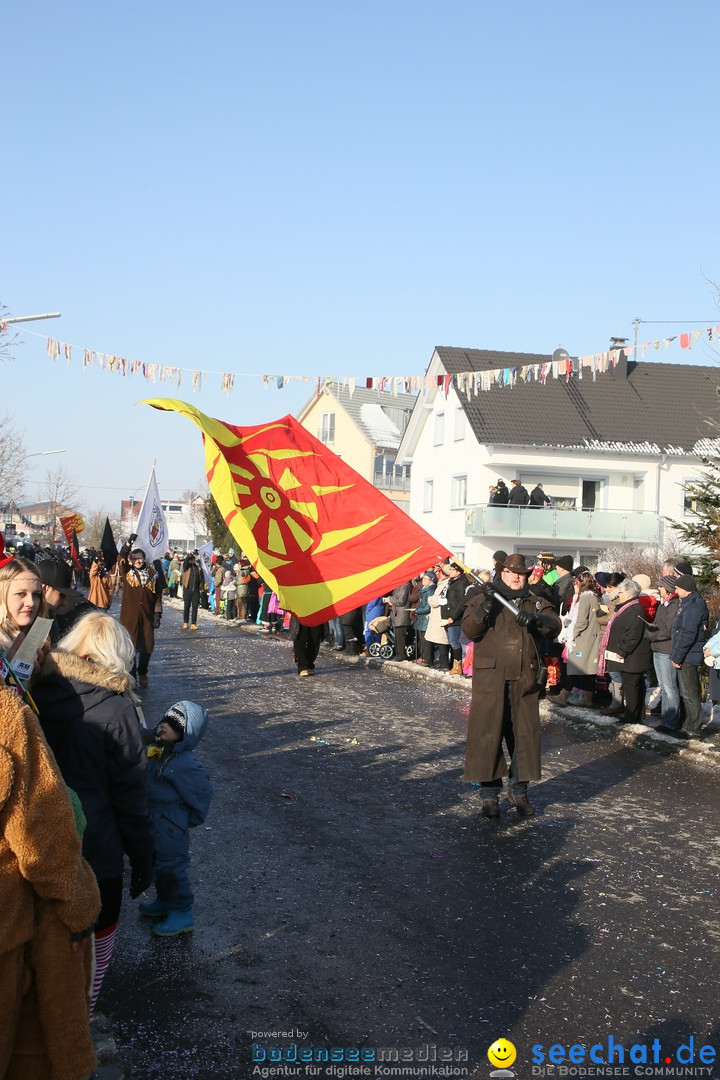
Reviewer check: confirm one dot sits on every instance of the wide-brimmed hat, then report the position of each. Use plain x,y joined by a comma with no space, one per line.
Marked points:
516,564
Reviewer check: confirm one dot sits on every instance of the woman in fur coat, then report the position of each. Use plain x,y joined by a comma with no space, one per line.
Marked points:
87,711
49,902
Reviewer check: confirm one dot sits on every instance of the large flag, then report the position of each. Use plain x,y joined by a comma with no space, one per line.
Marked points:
322,537
108,546
152,530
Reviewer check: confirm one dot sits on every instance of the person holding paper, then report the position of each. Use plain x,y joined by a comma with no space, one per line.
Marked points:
22,601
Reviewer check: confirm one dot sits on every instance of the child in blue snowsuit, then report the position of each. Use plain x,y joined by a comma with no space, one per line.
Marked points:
180,794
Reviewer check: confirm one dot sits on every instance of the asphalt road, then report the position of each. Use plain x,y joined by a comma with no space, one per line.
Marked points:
350,896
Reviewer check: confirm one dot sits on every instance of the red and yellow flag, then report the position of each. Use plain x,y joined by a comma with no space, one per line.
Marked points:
73,522
320,535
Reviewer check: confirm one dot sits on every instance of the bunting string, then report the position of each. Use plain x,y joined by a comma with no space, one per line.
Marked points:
469,383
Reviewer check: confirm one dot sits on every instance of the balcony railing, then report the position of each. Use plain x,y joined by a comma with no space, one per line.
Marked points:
390,482
600,526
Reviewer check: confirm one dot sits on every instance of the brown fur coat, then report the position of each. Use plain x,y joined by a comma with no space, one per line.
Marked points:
47,892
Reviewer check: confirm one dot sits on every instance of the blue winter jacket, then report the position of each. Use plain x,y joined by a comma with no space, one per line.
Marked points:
422,611
180,789
689,630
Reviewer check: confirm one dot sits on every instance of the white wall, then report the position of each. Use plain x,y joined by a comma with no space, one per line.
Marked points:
647,484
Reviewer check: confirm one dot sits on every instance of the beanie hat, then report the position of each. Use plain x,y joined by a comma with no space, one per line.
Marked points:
669,583
432,575
686,582
683,567
566,562
176,719
643,581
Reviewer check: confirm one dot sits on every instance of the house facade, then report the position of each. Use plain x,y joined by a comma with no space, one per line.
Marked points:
187,530
364,428
614,453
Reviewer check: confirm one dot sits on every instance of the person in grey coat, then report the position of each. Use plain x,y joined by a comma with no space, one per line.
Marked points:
399,600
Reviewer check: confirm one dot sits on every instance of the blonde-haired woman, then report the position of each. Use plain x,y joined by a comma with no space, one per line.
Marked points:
21,599
84,695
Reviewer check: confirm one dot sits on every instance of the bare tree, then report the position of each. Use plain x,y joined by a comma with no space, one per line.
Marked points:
8,340
61,493
12,465
94,528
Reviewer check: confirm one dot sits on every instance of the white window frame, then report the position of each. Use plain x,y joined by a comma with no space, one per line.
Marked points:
459,492
327,428
459,427
428,493
439,429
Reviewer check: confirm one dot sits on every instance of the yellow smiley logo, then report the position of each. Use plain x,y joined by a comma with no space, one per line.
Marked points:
502,1053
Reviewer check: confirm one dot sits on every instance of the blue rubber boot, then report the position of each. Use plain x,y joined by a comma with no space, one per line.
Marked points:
153,909
177,922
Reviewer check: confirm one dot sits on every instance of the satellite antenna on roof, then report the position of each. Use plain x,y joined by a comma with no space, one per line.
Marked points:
618,342
560,355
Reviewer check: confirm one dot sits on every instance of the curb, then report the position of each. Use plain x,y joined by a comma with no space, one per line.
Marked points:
641,735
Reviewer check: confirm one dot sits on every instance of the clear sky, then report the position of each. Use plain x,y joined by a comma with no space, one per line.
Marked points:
334,187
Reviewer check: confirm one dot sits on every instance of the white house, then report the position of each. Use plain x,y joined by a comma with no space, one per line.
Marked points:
615,453
185,521
363,427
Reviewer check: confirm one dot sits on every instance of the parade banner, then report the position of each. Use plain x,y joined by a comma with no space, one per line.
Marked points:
152,530
323,538
72,522
205,554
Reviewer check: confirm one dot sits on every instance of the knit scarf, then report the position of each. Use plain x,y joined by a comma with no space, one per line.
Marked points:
606,635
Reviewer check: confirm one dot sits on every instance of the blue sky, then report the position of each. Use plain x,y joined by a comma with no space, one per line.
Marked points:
333,188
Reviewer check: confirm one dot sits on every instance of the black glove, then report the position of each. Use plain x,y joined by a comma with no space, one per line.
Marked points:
132,538
156,621
526,619
484,609
141,877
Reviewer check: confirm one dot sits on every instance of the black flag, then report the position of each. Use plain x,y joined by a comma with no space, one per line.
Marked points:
108,546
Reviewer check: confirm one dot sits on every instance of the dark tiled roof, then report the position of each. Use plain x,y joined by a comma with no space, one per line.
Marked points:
657,408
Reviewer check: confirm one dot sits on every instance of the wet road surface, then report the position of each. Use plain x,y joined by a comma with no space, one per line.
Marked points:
347,888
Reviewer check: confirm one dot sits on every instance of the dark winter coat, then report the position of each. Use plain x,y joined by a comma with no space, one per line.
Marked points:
505,660
563,592
518,496
659,634
627,639
140,603
180,791
422,611
689,630
94,731
456,598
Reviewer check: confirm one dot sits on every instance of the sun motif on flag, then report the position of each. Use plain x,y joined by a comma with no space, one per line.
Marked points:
281,511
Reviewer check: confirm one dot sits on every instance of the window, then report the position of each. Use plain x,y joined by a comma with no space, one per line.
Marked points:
428,496
459,433
327,428
690,502
458,493
439,437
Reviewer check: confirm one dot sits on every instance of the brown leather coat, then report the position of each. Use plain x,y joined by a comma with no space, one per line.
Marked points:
505,668
139,603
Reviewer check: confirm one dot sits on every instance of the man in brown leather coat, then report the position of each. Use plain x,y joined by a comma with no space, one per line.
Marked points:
505,687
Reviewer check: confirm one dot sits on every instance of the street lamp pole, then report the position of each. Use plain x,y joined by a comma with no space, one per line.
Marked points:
30,318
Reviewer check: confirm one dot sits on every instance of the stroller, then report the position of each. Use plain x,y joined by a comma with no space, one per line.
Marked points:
385,647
